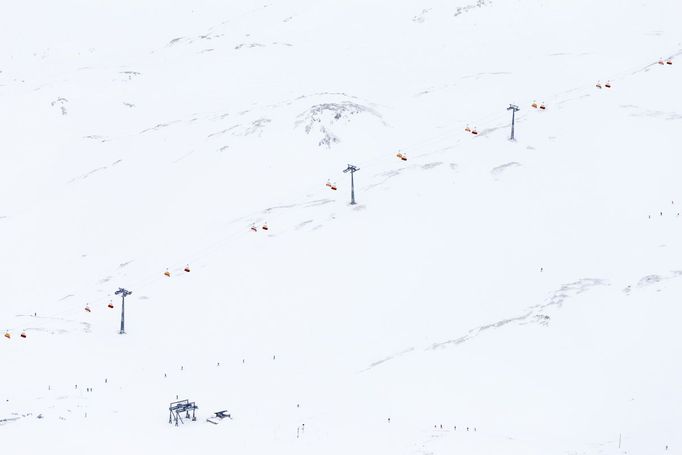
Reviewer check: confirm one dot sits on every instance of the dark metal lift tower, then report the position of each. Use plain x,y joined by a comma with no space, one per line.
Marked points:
513,108
352,169
123,293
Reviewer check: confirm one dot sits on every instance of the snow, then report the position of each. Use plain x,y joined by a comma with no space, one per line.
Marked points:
526,290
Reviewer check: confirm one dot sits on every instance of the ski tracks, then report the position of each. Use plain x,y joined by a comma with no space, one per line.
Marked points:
534,314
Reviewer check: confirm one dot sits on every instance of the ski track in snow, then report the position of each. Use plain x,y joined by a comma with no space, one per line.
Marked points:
534,314
637,111
498,170
388,175
653,279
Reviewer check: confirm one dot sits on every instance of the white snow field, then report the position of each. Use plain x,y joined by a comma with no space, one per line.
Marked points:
486,296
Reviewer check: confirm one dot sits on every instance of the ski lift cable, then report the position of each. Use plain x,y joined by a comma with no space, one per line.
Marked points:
415,147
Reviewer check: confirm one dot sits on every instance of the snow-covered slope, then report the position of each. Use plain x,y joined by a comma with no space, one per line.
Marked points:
522,295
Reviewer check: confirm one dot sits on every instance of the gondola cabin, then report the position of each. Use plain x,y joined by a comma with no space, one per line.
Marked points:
187,269
23,335
265,227
8,335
